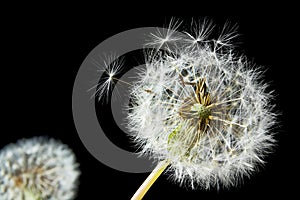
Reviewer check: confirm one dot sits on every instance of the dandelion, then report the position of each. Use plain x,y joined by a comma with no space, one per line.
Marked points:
201,110
38,168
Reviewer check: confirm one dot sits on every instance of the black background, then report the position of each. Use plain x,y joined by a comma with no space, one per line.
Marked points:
44,49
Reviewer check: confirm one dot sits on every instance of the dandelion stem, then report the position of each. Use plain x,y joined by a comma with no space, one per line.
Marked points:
161,166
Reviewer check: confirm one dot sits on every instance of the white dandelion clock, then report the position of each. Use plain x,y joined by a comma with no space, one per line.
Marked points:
38,168
201,109
205,112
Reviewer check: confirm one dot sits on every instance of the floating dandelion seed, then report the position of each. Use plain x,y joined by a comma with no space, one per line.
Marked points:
111,67
38,168
201,109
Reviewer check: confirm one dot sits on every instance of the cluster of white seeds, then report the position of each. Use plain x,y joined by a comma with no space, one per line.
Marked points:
202,107
38,168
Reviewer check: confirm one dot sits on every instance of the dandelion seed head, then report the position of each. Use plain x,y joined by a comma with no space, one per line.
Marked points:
38,167
204,109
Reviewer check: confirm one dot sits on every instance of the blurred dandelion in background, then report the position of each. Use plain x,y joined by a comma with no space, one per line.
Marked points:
199,108
36,169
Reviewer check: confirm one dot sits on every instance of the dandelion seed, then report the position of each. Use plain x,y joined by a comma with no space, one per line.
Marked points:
161,38
199,33
109,69
38,168
228,33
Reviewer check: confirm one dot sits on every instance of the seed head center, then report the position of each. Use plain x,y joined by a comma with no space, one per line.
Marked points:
202,111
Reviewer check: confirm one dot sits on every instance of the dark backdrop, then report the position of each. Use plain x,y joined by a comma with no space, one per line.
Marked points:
44,50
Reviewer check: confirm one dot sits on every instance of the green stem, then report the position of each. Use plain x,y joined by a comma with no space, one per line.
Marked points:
139,194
